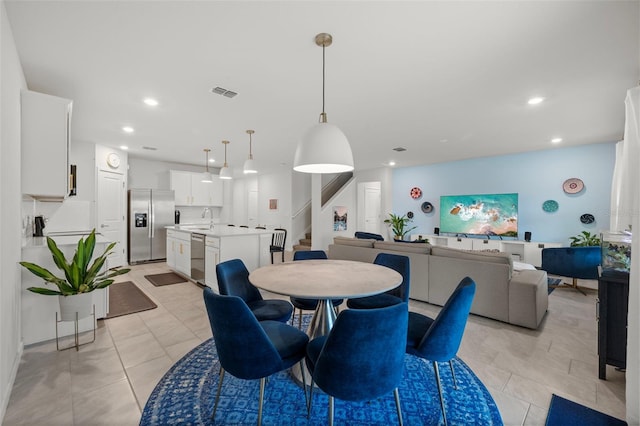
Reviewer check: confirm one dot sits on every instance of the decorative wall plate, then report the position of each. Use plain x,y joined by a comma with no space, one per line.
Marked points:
587,218
427,207
550,206
416,193
410,215
573,186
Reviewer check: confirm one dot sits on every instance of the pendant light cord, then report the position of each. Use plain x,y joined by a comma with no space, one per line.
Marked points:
323,47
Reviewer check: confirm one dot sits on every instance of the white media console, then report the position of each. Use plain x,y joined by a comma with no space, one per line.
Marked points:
522,251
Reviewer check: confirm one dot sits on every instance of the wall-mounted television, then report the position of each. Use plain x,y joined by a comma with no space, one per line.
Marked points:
479,214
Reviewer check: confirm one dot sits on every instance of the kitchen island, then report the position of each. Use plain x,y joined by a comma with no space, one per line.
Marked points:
195,250
39,311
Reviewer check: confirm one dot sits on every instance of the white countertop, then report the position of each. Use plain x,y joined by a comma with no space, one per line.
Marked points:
61,240
220,230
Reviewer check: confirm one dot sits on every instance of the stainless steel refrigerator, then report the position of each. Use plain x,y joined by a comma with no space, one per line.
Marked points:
150,211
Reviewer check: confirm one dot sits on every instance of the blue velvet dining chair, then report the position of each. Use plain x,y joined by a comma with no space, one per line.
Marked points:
249,349
362,358
394,296
302,303
233,280
572,262
439,340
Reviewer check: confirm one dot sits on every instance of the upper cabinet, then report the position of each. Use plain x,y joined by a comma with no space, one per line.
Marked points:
46,128
190,191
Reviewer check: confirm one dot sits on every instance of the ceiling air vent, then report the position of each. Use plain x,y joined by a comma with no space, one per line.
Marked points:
224,92
150,148
399,149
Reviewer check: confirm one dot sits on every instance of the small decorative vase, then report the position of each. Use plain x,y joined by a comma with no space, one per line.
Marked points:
81,303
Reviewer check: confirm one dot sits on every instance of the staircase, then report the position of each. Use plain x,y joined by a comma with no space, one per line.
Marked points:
303,244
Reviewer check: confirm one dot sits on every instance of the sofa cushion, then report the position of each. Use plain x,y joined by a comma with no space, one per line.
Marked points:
423,248
358,242
480,256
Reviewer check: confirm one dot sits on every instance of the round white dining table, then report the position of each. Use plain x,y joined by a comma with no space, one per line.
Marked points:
325,280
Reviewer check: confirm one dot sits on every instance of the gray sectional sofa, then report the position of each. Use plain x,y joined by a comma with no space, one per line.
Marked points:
515,297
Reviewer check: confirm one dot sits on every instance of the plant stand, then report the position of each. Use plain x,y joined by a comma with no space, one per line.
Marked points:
76,335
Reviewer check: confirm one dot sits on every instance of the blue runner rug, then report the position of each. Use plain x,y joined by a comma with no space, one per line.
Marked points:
185,395
563,412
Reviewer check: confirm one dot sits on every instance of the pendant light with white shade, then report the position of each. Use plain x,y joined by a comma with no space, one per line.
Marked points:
225,171
206,176
323,148
249,164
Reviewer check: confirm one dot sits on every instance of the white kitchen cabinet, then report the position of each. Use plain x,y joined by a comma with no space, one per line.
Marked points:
171,249
45,145
212,258
191,191
183,252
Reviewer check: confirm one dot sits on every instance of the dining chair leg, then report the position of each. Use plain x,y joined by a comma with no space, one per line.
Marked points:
215,405
330,411
396,394
282,255
310,399
304,385
262,383
453,374
272,258
444,413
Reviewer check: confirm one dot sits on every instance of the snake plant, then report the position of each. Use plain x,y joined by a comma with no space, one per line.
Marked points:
80,275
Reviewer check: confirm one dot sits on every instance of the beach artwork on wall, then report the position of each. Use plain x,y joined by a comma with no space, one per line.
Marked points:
339,218
480,214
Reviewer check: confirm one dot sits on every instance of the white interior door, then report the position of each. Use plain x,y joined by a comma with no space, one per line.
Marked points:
252,209
110,213
369,200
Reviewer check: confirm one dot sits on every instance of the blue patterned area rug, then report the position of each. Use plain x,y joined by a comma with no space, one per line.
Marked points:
563,412
553,281
186,393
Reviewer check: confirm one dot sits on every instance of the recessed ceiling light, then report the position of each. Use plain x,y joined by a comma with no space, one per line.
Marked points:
124,147
211,160
151,102
392,163
556,140
127,129
535,101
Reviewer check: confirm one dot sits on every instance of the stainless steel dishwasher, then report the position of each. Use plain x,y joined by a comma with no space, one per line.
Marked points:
197,258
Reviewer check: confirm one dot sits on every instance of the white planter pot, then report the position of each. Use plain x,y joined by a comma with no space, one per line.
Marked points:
81,303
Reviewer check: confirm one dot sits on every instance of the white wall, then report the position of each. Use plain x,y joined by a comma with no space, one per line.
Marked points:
11,82
345,198
276,186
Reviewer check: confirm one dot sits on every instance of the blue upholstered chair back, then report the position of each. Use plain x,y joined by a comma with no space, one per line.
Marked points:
442,340
368,236
244,349
363,357
574,262
401,265
233,280
309,254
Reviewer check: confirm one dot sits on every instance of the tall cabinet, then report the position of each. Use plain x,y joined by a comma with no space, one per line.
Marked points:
613,305
190,191
46,142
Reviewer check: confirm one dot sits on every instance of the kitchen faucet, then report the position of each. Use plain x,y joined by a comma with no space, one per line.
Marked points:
204,213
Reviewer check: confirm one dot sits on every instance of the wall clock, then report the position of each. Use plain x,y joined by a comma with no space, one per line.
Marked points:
113,160
416,193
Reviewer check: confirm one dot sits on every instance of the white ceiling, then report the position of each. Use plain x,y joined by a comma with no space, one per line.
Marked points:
445,80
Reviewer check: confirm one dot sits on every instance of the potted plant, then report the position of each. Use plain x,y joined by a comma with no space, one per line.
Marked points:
398,224
81,277
585,239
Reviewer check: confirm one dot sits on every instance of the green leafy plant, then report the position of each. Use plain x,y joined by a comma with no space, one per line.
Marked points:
585,239
79,275
398,225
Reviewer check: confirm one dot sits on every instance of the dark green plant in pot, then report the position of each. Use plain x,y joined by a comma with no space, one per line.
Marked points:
398,225
585,239
79,275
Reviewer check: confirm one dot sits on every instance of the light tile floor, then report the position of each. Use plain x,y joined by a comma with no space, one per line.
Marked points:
109,381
